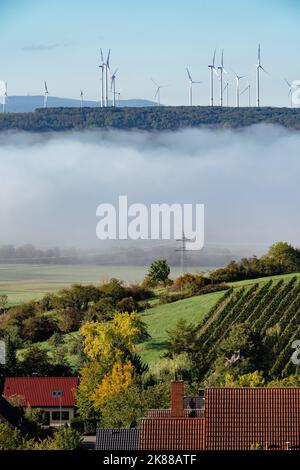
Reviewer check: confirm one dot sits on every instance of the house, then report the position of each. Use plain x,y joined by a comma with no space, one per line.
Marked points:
54,395
229,419
216,419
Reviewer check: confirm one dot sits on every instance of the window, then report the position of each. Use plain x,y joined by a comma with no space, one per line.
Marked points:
64,416
56,393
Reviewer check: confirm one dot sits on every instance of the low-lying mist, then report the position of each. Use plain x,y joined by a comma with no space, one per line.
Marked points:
248,180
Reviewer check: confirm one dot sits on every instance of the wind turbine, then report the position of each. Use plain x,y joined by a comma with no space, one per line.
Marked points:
157,94
259,67
191,82
248,88
222,70
102,67
226,88
238,78
46,93
113,87
119,98
212,71
106,78
81,98
5,97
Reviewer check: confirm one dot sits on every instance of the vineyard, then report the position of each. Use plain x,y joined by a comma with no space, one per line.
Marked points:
271,309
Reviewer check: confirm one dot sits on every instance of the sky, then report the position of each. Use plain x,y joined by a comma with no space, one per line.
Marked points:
59,40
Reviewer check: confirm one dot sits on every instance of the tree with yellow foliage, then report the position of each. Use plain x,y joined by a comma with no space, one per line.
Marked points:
253,379
111,365
104,341
115,382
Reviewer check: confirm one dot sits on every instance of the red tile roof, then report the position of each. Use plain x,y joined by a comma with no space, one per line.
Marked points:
237,418
172,434
38,391
233,419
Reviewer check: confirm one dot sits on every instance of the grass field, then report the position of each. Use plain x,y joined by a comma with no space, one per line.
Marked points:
164,317
23,282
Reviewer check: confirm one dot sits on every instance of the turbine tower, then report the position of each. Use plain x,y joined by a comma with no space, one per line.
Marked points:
238,78
81,98
5,96
106,78
157,94
222,70
46,93
226,88
248,88
102,67
113,87
212,71
259,67
119,98
191,82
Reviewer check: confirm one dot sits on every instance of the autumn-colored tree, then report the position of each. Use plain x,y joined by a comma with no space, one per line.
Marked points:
91,375
111,365
105,341
254,379
115,382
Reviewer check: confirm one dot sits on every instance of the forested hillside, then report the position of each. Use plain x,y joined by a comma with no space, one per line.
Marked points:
147,118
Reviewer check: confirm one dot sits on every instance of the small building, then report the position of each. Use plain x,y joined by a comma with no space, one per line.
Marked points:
54,395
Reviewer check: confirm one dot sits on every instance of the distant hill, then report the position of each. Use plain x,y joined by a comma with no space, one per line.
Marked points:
28,104
151,118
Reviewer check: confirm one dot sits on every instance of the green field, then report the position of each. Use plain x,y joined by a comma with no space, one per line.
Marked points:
163,317
23,282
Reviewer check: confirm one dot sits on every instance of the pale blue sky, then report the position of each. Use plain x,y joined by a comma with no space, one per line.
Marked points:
59,40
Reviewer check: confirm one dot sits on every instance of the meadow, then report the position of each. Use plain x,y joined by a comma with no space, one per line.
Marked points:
24,282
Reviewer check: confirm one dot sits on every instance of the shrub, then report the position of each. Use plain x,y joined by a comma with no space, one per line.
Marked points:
128,304
38,328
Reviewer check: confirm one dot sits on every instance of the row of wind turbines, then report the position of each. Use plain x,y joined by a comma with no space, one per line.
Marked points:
109,78
106,76
224,84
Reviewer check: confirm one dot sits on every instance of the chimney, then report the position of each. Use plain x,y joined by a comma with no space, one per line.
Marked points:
177,399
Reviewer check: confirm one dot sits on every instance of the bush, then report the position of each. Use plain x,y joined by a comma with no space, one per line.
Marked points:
192,282
10,439
38,328
70,320
139,292
128,304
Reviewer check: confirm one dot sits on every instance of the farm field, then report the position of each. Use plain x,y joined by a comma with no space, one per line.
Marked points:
24,282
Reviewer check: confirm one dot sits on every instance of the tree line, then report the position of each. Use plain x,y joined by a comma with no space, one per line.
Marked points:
148,118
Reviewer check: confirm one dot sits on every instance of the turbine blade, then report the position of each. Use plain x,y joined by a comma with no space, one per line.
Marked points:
189,75
108,58
214,57
154,82
288,83
264,70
